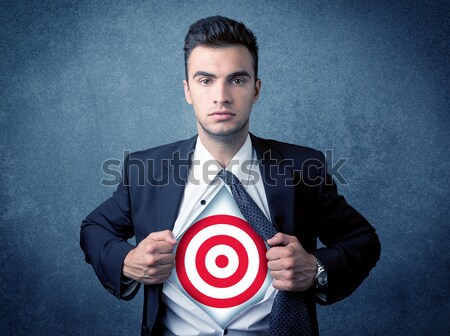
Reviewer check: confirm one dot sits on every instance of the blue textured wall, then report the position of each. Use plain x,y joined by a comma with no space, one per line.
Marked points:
82,81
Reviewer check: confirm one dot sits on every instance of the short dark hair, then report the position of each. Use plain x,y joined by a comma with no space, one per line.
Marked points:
219,31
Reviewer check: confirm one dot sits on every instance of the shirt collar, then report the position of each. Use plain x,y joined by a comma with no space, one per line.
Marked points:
205,167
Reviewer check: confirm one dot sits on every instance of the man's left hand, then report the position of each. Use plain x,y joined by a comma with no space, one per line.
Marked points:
292,268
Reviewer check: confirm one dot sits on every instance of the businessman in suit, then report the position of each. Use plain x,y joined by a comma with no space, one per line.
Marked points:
288,183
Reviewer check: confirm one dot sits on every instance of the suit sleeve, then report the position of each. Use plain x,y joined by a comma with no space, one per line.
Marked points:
103,238
352,245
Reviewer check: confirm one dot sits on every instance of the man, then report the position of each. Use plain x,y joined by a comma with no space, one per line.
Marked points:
165,190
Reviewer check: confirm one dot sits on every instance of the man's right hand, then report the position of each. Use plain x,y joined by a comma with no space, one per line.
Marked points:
152,261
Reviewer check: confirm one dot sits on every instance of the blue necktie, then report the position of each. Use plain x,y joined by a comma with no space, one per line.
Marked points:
289,316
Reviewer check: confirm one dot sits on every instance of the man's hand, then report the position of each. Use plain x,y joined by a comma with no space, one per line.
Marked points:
152,261
292,268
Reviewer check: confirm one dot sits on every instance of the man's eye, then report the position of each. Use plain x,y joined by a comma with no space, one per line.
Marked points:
238,81
205,81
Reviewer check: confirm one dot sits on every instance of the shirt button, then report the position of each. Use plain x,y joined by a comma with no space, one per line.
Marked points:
202,202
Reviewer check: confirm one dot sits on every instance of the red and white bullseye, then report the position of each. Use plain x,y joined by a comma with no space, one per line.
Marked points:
220,261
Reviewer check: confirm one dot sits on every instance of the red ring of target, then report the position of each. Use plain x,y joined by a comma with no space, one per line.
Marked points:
207,276
203,270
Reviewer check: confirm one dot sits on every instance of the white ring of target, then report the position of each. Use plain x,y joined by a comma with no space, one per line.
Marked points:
229,253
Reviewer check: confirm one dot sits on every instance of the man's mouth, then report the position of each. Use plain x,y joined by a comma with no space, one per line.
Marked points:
222,115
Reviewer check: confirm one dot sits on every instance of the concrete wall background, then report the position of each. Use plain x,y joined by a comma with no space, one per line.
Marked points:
83,81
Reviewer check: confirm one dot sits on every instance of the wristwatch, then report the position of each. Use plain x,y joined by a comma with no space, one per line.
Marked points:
321,276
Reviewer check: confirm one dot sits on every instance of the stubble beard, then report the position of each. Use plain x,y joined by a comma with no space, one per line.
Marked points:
225,137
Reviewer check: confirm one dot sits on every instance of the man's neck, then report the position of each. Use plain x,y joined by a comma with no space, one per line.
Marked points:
223,149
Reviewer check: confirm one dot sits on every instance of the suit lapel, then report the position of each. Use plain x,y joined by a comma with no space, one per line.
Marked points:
275,171
277,177
175,173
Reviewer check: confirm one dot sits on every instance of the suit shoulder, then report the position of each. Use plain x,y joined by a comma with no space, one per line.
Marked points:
289,150
161,152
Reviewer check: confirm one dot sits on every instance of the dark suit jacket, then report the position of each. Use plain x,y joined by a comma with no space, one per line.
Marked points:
302,198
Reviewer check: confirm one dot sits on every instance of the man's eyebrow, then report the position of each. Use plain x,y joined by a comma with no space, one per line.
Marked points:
204,73
232,75
238,74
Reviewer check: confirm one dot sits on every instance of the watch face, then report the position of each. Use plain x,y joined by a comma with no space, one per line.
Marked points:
322,279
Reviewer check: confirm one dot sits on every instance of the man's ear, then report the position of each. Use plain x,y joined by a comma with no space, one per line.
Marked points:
257,90
187,93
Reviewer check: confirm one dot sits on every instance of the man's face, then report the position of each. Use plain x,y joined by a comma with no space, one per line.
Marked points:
221,89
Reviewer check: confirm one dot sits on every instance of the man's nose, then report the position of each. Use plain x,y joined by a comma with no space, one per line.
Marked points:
222,94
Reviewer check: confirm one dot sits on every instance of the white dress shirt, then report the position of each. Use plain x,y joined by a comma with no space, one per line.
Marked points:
182,315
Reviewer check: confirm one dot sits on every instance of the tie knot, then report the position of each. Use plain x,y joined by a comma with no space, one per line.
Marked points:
228,177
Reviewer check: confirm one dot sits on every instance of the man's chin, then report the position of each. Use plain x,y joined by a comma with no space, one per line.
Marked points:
225,132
